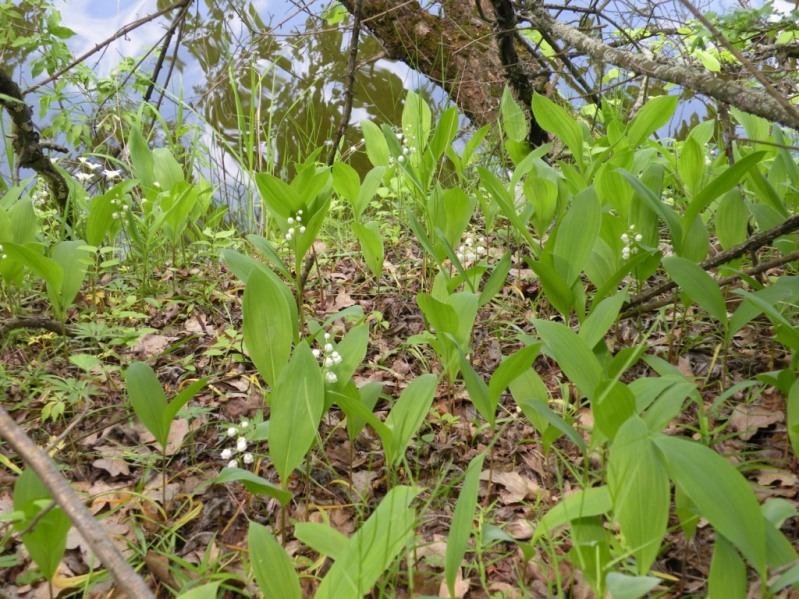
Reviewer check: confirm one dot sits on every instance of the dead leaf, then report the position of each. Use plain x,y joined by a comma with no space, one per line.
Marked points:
520,529
112,461
461,586
747,420
151,344
515,487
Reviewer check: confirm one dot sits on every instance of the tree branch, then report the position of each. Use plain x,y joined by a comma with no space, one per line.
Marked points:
697,80
126,578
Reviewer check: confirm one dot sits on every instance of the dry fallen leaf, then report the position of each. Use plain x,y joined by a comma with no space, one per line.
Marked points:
747,420
515,487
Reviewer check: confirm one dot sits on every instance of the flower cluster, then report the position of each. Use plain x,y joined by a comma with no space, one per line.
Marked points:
295,226
631,239
408,149
92,169
228,454
329,358
470,252
3,255
123,208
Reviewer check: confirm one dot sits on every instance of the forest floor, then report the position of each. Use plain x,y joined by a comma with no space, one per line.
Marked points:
191,328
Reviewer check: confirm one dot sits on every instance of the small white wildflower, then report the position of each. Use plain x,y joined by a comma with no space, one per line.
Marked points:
401,159
156,184
459,256
481,250
327,336
231,432
328,347
288,237
625,238
299,214
353,149
328,362
291,220
469,241
83,177
115,215
112,174
291,231
316,353
247,458
638,238
302,230
233,464
3,256
331,377
245,423
83,161
241,444
337,359
227,454
625,253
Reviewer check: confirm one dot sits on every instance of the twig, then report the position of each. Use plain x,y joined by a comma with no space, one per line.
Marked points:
126,578
35,322
121,33
349,83
640,303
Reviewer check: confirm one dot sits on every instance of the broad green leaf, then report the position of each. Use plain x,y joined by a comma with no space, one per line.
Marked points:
478,392
727,577
46,539
511,369
586,503
271,565
347,184
721,184
74,258
297,405
205,591
268,251
496,281
371,245
697,285
613,405
357,404
556,290
542,195
373,548
280,198
142,158
267,326
514,121
572,355
166,170
691,165
47,268
416,120
100,219
250,481
322,538
720,493
538,411
148,400
557,121
641,492
506,204
171,410
446,130
408,414
594,328
624,586
664,212
732,218
462,522
371,182
576,235
653,115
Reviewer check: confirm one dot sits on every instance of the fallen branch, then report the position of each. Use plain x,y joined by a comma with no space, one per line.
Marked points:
34,322
128,581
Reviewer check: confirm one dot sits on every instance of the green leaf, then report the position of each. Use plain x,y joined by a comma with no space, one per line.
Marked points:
576,235
180,400
148,400
371,245
267,325
297,406
142,158
586,503
74,258
653,115
697,285
793,417
514,121
373,548
650,199
594,328
691,166
46,539
250,481
556,290
376,146
727,577
446,130
572,355
557,121
542,195
347,184
271,565
641,492
510,369
537,410
732,218
624,586
478,392
720,493
205,591
496,281
462,521
416,120
408,414
321,538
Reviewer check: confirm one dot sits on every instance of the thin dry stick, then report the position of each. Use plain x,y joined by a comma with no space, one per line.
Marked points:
754,242
126,578
723,282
